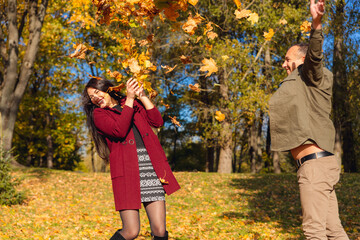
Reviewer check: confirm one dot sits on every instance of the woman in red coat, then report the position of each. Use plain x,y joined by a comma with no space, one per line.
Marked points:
121,129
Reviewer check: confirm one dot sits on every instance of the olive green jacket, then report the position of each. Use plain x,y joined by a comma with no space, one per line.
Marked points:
300,108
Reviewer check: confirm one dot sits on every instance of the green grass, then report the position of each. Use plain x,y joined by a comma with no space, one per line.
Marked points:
70,205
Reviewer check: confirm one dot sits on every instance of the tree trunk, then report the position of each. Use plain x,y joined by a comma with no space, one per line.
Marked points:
341,101
225,160
210,151
276,162
253,147
50,145
15,82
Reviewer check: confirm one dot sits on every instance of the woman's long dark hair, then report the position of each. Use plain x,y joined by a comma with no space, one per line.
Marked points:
99,140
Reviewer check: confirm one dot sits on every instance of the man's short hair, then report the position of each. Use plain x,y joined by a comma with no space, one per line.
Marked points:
302,48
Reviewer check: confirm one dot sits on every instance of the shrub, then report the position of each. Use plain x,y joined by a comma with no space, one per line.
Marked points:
8,194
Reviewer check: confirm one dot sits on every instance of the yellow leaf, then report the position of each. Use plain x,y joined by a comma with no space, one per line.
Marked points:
174,121
193,2
269,35
225,57
209,65
305,26
253,18
242,14
219,116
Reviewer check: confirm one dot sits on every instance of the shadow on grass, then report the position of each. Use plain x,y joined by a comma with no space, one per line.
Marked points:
271,198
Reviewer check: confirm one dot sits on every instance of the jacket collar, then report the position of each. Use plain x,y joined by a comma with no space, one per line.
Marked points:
294,75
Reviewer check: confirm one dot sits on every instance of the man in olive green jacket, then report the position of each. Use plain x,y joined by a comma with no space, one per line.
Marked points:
300,122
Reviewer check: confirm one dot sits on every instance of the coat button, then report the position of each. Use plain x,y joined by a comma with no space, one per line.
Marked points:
131,141
124,142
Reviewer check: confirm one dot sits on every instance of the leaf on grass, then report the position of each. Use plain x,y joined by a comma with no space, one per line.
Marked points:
219,116
209,65
195,87
269,35
153,94
174,121
225,57
80,51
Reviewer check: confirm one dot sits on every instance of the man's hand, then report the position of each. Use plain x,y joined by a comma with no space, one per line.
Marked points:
317,10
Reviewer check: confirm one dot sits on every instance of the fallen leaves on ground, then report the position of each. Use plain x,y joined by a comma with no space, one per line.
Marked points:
78,206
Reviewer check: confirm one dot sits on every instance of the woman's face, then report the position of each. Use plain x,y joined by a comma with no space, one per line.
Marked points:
99,98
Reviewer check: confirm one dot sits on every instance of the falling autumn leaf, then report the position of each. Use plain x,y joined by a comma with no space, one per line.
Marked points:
225,57
98,78
115,75
242,14
269,35
195,87
116,88
134,66
238,4
192,24
212,35
253,18
193,2
80,51
305,27
219,116
169,69
174,121
283,21
209,65
185,60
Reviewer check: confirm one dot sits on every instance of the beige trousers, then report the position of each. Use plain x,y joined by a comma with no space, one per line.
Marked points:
317,179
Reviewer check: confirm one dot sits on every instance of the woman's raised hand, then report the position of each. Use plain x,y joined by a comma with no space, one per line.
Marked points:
132,87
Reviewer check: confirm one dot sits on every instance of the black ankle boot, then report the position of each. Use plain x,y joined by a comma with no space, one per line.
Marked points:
117,236
160,238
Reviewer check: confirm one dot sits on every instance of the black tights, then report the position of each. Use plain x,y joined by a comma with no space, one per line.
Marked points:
156,213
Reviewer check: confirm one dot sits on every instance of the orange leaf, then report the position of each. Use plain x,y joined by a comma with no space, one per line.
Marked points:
169,69
191,25
185,60
219,116
238,4
209,65
116,88
98,78
195,87
174,121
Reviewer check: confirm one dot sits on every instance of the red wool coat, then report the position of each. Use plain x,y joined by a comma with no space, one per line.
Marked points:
124,166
